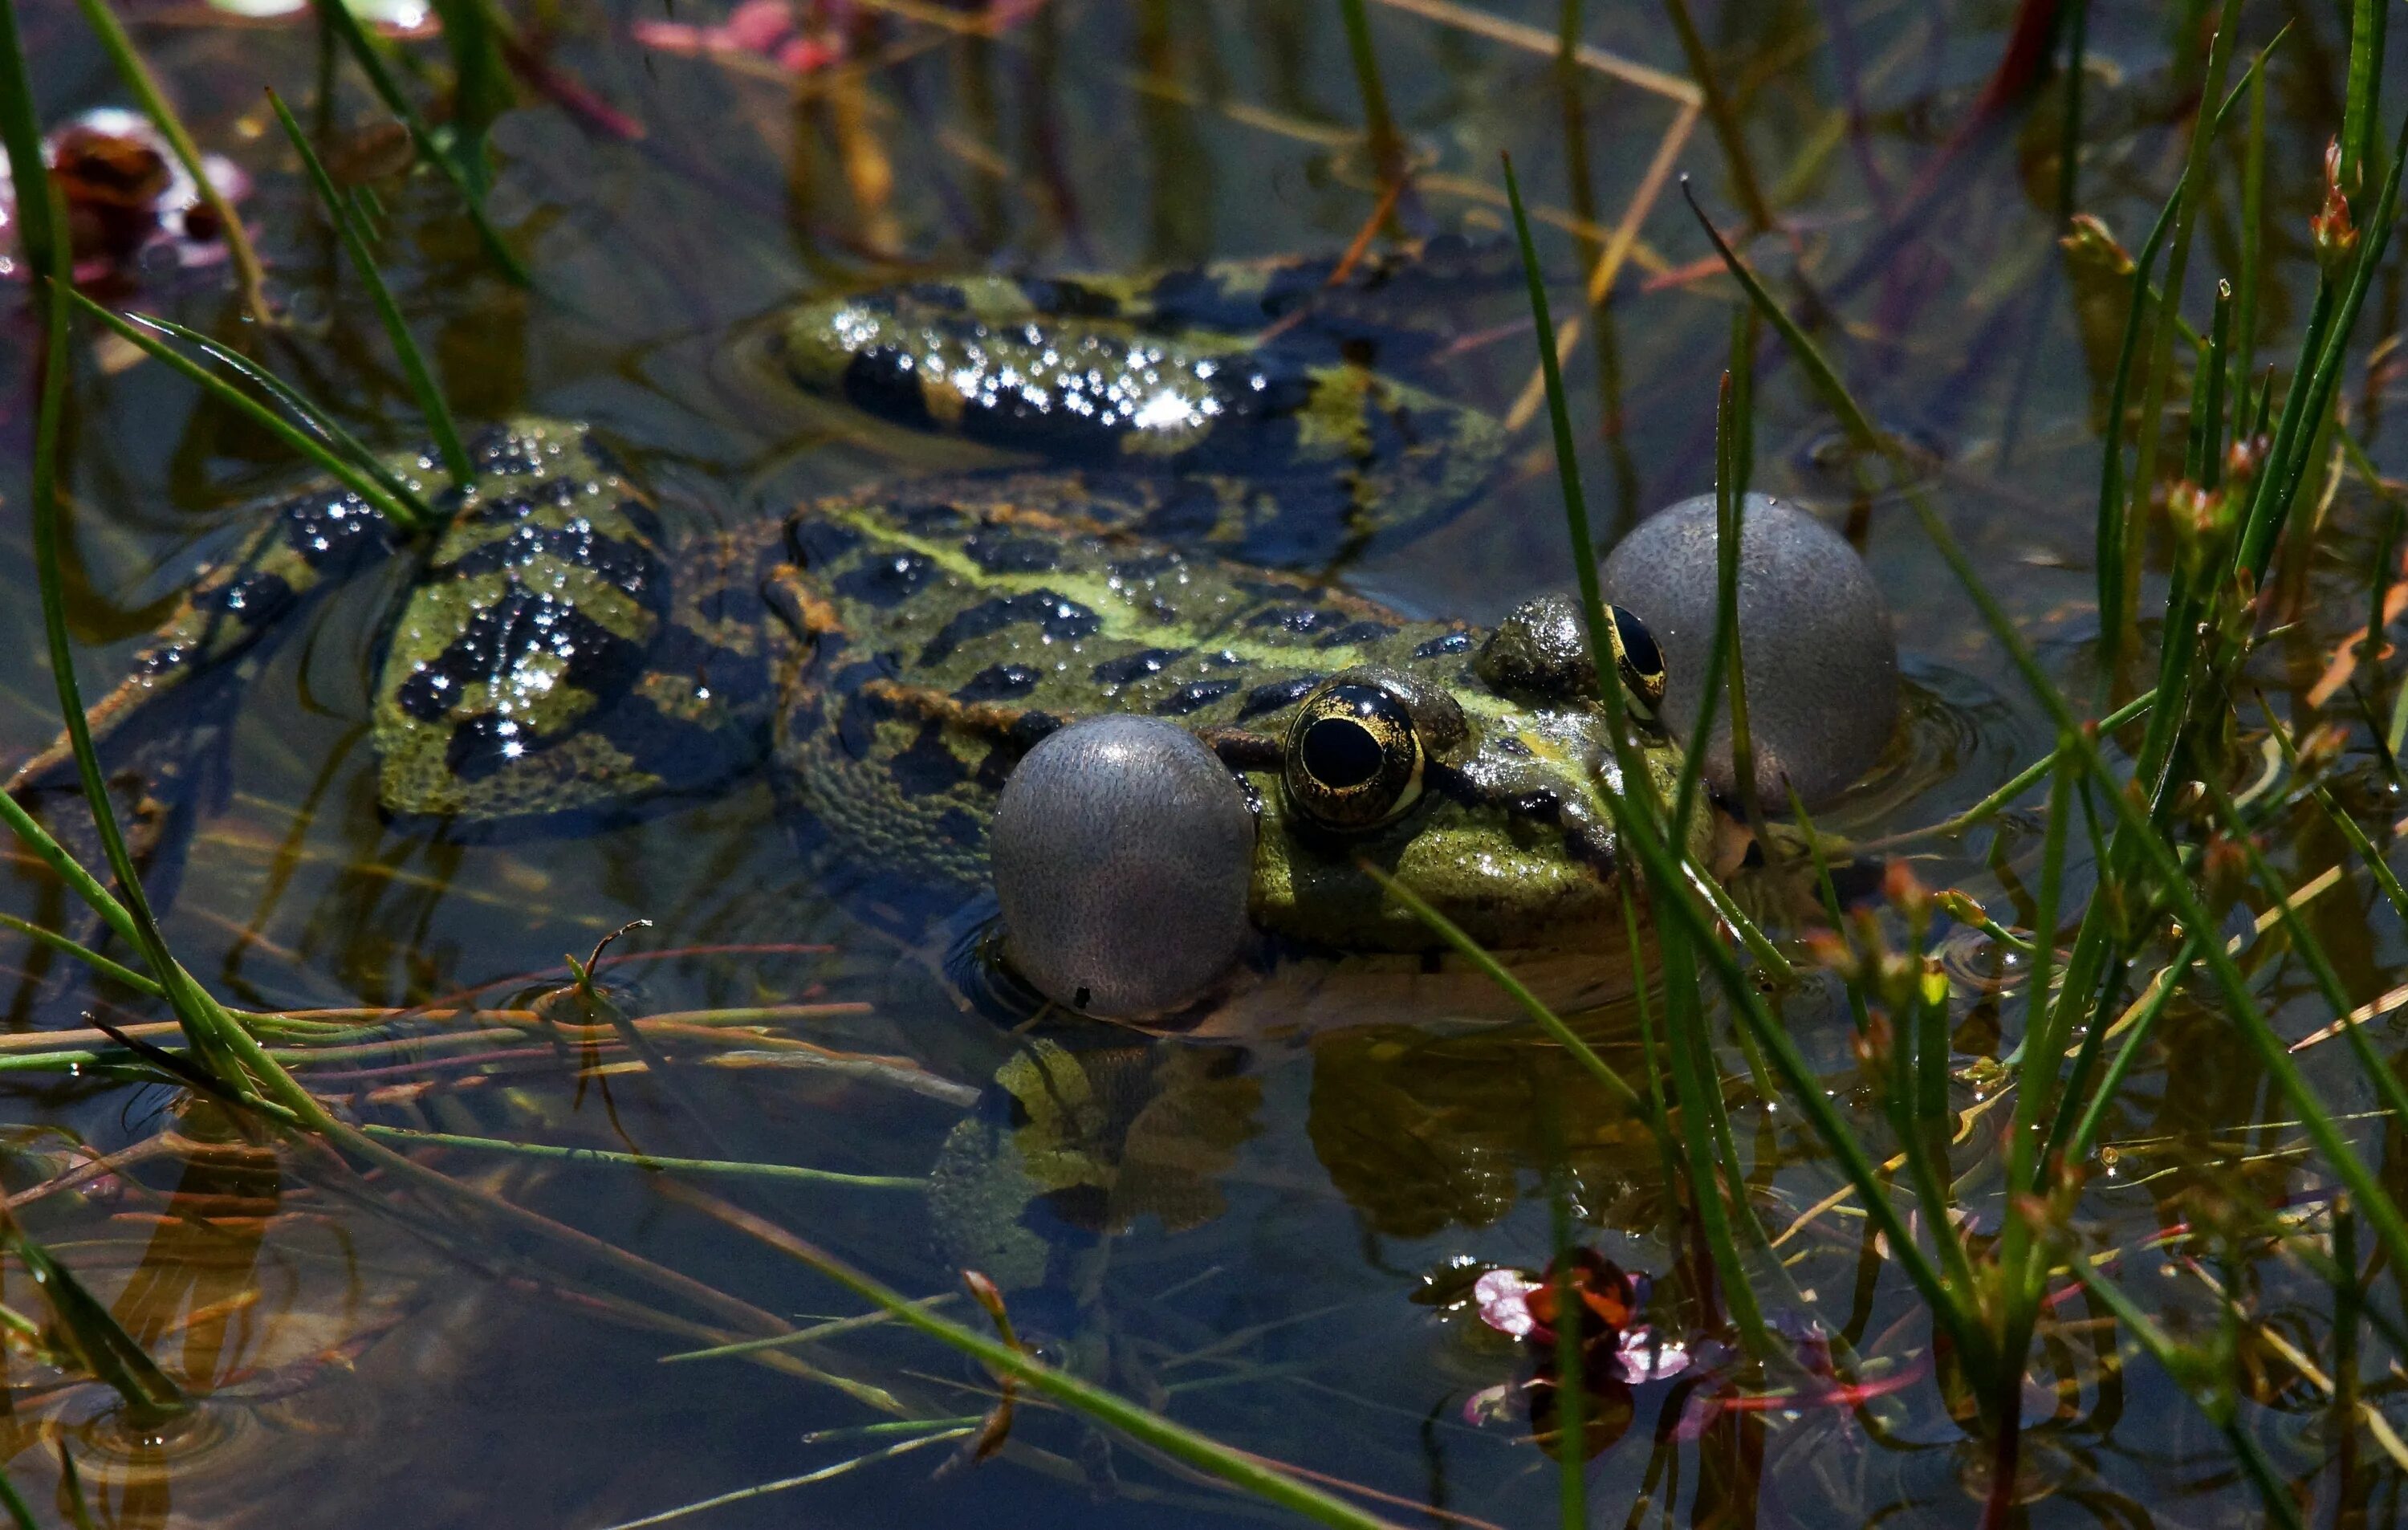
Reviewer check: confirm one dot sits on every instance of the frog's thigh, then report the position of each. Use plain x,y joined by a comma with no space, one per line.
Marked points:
536,621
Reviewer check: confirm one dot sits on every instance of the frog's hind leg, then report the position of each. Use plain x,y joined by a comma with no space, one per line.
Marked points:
162,721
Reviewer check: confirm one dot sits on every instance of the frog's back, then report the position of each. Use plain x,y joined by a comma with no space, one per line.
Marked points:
932,634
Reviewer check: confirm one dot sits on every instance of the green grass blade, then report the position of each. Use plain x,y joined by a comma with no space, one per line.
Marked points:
2190,194
791,1172
315,450
2362,109
421,381
2300,431
1242,1469
145,86
40,236
149,1394
1728,132
316,420
1529,1003
115,971
2253,231
2068,133
2168,1354
338,18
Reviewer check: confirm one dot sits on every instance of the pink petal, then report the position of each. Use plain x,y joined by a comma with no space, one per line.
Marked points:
1504,1298
760,24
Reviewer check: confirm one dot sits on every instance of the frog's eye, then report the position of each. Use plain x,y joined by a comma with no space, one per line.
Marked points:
1636,655
1124,853
1353,759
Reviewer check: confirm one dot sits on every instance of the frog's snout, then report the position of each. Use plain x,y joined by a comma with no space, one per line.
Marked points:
1122,851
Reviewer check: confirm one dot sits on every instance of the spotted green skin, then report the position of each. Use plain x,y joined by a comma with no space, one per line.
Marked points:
889,655
928,636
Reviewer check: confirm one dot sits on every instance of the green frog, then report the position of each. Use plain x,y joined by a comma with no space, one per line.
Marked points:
1191,451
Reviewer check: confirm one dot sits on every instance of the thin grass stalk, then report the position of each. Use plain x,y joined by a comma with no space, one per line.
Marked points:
431,403
1571,1321
2043,1045
1698,1088
2360,844
338,18
1379,127
70,1496
150,1396
2110,549
2189,196
1728,130
1635,780
2084,1134
2347,1295
2268,516
1241,1469
2020,1241
2217,1407
2205,463
2031,774
114,971
2388,1086
2253,231
20,1515
2133,823
325,426
2069,133
1828,891
650,1162
1666,1151
1635,812
181,992
335,466
1729,514
39,228
249,275
1529,1003
2362,107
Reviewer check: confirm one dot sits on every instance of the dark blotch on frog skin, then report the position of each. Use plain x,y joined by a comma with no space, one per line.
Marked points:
1276,696
1063,621
884,381
503,636
1356,632
1193,697
557,492
929,766
886,581
253,599
1438,647
1000,682
1002,553
816,541
1135,667
334,531
626,565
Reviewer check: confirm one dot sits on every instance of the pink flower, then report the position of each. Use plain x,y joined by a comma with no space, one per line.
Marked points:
1504,1298
1640,1357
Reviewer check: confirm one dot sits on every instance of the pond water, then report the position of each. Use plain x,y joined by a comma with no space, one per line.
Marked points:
1279,1243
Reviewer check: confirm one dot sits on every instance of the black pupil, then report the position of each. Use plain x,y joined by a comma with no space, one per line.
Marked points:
1340,754
1638,643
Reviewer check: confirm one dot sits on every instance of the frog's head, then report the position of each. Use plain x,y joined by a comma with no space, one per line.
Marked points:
1138,863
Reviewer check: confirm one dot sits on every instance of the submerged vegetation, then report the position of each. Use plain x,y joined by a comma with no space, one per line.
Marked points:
2014,1138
